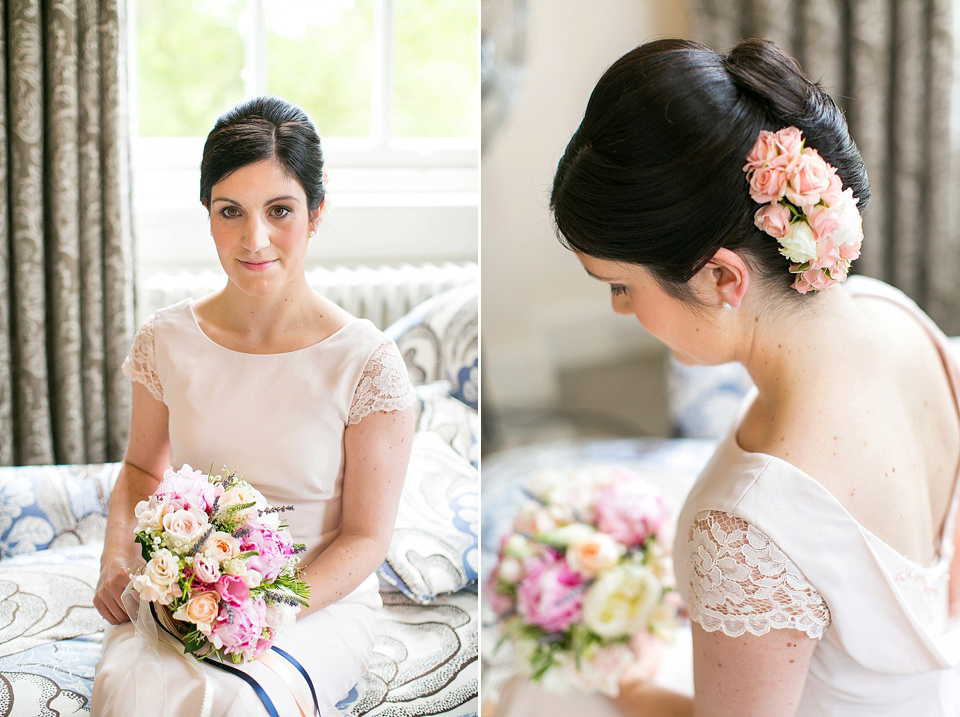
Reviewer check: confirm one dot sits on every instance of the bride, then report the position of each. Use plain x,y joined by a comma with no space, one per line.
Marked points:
719,196
306,402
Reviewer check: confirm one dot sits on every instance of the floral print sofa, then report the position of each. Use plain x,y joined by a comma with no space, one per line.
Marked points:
52,520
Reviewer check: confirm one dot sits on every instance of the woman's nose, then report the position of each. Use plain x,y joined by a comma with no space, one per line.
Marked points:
256,236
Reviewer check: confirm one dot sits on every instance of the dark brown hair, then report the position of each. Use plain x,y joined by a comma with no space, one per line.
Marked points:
654,174
264,128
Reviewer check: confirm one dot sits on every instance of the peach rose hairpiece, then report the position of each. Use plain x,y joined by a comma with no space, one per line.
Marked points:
805,208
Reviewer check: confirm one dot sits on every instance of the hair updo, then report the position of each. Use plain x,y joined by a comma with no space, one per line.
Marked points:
654,174
264,128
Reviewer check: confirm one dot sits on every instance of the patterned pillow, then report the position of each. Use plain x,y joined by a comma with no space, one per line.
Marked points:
704,400
52,506
440,413
434,547
438,340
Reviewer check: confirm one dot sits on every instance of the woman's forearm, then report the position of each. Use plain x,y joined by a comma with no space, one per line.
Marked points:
643,698
339,569
133,485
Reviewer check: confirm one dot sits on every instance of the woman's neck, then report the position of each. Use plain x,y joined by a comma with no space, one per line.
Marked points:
789,354
264,320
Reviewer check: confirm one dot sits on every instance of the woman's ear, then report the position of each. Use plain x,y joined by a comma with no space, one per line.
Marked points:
315,220
725,279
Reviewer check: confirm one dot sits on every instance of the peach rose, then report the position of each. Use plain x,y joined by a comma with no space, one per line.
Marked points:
768,184
790,142
831,195
812,279
774,219
221,546
807,179
201,609
764,151
590,555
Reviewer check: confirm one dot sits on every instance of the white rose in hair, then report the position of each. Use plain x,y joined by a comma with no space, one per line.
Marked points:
849,229
799,245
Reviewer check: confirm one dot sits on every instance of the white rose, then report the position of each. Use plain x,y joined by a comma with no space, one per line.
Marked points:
281,617
235,566
591,554
517,546
163,568
799,245
850,229
252,578
150,513
240,494
619,603
511,570
183,528
154,592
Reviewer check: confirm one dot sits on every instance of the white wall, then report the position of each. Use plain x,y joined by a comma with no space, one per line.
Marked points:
541,313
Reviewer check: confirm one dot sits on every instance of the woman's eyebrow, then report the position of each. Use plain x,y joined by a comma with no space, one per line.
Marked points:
283,198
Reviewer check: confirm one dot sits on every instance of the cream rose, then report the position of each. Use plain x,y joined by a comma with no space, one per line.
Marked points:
201,609
221,546
591,554
799,245
150,513
183,528
156,592
239,495
235,566
621,600
159,580
511,570
252,578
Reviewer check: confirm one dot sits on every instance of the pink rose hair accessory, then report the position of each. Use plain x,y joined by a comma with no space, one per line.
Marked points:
805,208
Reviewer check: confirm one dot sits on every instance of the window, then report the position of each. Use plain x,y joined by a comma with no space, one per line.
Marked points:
393,86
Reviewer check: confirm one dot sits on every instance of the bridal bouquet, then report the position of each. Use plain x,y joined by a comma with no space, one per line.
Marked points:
583,583
221,568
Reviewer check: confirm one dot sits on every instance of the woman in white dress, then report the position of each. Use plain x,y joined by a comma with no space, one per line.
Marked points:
719,197
306,402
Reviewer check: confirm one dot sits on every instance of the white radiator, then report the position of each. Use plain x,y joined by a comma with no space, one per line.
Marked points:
382,294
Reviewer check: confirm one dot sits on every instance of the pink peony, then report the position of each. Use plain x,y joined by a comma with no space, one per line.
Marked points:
630,511
551,594
768,184
273,547
807,179
239,628
188,488
774,219
233,590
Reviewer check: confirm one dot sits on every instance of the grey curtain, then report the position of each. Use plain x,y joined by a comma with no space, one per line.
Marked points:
66,297
890,66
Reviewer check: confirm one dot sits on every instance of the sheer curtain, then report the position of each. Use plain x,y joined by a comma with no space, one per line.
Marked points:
890,66
66,298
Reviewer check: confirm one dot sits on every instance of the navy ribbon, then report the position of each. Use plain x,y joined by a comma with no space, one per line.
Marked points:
284,653
261,693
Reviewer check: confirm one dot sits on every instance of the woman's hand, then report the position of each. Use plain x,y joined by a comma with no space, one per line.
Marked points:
115,572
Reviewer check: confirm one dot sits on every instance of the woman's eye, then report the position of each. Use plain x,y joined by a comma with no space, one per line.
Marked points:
229,212
280,211
617,289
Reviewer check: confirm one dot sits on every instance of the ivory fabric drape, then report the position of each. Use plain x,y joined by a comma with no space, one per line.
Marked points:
66,297
890,65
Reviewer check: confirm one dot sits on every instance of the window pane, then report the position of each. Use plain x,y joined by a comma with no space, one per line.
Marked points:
190,54
320,56
436,92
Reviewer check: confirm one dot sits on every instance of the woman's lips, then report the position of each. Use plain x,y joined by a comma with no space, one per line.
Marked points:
259,265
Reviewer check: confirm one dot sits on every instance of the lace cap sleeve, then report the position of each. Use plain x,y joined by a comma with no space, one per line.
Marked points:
742,582
384,384
141,363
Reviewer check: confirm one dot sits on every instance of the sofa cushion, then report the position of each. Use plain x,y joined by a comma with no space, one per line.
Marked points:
434,547
53,506
442,414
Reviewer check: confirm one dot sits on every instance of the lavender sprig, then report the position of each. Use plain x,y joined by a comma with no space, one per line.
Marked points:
276,509
198,546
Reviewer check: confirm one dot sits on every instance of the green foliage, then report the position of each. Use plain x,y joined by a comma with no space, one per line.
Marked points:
189,56
436,72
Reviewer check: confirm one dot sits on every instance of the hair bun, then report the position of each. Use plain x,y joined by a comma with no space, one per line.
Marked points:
762,71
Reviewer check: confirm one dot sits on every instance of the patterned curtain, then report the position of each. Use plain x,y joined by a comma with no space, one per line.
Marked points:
890,65
66,297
